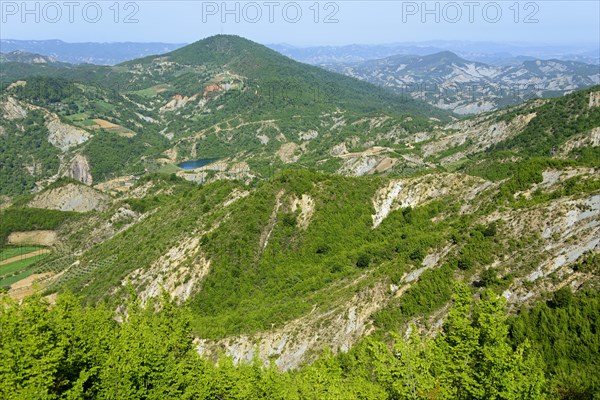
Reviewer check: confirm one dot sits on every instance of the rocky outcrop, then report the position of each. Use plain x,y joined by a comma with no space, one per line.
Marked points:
61,135
568,228
338,150
178,101
178,272
594,99
11,109
268,229
303,339
369,161
79,169
71,197
306,208
476,134
384,200
64,136
590,138
553,180
309,135
417,191
359,166
287,152
120,184
15,85
264,139
449,82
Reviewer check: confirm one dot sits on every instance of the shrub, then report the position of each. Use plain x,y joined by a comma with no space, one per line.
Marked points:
363,260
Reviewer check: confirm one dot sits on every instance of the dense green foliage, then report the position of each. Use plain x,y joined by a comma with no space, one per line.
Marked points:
268,95
565,331
13,70
554,123
67,351
265,268
27,156
25,146
45,90
293,263
432,291
288,78
257,261
522,158
112,155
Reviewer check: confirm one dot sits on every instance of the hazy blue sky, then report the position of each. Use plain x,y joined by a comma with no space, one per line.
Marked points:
550,21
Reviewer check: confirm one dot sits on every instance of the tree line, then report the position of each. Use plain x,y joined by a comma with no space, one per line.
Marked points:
70,351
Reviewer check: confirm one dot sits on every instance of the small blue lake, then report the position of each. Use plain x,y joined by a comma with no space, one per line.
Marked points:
193,164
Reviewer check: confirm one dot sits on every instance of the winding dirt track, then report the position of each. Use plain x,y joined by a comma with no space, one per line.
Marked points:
24,256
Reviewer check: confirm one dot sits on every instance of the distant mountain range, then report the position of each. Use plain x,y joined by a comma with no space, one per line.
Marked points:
450,82
491,53
90,53
476,77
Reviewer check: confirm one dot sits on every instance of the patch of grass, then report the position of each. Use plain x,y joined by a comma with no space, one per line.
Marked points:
168,169
20,265
12,251
88,122
15,271
151,91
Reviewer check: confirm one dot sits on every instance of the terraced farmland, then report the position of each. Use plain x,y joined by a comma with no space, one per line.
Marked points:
17,263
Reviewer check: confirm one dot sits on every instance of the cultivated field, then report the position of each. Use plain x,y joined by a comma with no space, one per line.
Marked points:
17,263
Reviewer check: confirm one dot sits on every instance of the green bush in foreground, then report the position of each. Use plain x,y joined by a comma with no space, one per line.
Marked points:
68,351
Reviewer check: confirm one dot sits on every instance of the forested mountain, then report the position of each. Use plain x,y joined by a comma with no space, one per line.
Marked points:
224,97
331,239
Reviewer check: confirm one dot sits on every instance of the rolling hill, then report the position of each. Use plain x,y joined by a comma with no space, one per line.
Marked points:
223,97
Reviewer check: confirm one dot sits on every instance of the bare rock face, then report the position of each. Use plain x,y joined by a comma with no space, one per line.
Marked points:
11,109
589,138
64,136
287,152
71,197
594,99
176,102
79,169
338,150
179,272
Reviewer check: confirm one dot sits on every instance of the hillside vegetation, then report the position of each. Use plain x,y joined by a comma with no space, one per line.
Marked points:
345,246
86,354
223,97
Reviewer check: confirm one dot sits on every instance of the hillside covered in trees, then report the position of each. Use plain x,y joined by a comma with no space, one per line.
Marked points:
69,351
